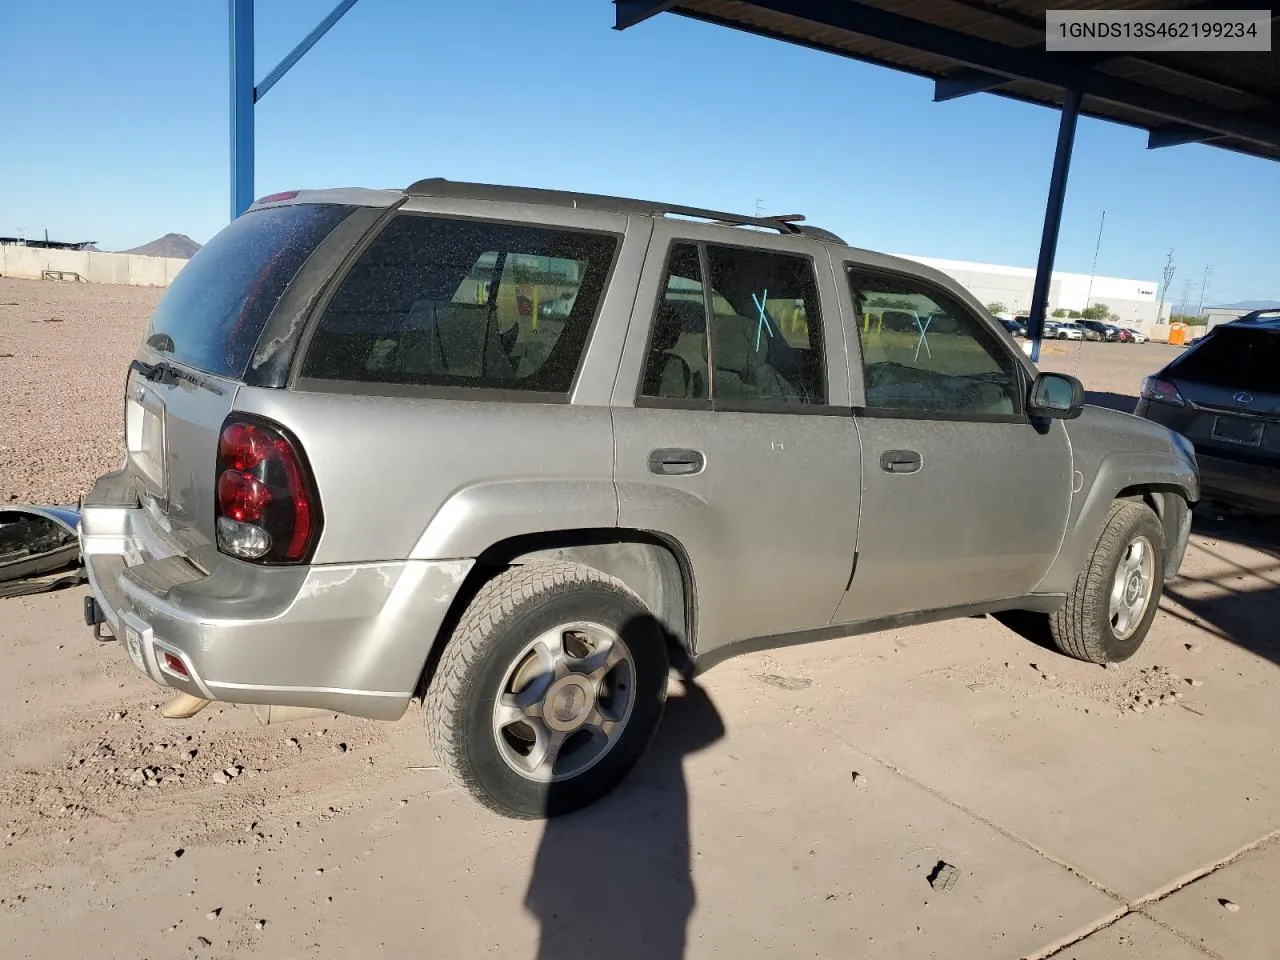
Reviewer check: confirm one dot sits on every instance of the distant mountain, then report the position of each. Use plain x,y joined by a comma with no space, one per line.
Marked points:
170,245
1251,305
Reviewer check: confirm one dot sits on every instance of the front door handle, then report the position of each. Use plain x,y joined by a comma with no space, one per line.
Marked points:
900,461
676,462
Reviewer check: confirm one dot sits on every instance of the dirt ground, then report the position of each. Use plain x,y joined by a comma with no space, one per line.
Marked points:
945,791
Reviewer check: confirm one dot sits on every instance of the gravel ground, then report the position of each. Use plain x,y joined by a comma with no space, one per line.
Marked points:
64,349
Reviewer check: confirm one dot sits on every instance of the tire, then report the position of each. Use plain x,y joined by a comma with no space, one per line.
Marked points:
1087,626
505,644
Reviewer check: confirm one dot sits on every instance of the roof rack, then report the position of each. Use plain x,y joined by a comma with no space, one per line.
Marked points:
787,225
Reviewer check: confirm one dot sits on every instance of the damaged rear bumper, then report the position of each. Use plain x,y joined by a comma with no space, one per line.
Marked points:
352,638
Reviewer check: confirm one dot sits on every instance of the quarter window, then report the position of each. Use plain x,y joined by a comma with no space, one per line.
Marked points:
464,303
923,353
765,347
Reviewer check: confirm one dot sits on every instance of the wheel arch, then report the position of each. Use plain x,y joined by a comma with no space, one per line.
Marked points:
655,567
1169,486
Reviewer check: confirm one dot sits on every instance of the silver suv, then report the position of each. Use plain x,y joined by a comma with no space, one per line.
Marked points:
365,465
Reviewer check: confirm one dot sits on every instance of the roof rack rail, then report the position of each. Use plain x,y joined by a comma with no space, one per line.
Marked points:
787,225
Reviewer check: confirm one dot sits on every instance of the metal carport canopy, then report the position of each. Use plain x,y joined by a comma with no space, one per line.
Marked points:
1229,100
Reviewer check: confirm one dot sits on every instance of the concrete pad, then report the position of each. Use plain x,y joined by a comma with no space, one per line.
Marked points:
1250,933
743,834
1047,748
1133,937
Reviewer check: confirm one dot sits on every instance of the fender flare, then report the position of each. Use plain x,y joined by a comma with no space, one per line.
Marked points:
1117,475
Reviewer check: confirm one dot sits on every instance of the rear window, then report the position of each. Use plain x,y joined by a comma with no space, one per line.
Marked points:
1238,359
464,303
212,314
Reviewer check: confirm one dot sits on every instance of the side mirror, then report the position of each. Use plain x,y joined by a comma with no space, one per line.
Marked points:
1056,395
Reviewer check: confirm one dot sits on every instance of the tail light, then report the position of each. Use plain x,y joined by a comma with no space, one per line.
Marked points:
1161,391
266,508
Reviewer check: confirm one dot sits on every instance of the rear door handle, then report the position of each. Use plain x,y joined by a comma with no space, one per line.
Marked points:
676,462
900,461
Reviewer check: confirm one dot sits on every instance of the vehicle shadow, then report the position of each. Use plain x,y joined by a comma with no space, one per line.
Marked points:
1112,401
615,878
1228,605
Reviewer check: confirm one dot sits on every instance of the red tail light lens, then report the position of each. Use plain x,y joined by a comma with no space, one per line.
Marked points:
267,509
1162,391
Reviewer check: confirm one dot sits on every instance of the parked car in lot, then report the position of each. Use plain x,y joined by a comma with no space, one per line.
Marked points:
1223,394
1099,330
358,473
1015,328
1138,335
1123,335
1069,331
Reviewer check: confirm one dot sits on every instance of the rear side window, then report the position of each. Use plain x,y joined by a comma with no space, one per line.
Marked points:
1237,359
765,332
214,311
464,303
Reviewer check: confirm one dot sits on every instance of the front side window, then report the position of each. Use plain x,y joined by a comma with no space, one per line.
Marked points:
763,346
923,353
464,303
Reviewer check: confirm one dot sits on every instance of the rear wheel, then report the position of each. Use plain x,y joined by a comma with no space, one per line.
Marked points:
1109,610
549,691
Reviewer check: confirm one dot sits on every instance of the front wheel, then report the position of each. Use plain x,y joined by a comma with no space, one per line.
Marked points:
1109,610
549,691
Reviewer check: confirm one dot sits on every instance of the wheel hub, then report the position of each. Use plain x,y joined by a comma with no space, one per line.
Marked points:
568,703
1133,590
565,701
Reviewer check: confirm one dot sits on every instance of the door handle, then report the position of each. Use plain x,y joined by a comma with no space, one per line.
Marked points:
900,461
676,462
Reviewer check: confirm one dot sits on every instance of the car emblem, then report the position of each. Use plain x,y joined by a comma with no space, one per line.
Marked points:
1243,397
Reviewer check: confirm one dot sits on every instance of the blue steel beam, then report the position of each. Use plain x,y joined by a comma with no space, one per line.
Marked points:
1175,135
296,53
240,17
1052,219
244,94
627,13
962,83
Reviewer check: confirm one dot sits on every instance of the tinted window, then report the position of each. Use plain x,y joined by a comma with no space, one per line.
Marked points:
766,330
1234,358
214,311
924,353
444,302
766,336
676,368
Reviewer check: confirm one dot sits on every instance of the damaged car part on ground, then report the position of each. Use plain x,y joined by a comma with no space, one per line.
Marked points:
37,546
728,439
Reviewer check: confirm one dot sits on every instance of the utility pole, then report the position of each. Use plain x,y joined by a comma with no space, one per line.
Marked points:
1204,285
1185,303
1165,280
759,207
1094,269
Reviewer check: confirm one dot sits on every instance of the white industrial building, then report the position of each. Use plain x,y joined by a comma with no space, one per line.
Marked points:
1133,301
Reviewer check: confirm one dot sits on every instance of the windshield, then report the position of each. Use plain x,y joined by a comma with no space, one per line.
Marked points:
1234,358
214,311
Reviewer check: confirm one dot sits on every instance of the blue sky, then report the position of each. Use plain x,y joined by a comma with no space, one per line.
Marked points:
119,133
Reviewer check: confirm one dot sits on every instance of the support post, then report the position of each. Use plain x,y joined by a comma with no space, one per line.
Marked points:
240,17
1053,218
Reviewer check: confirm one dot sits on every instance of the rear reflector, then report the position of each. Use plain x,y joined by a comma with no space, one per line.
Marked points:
175,665
275,197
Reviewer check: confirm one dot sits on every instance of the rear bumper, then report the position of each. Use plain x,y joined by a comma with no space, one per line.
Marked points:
1251,485
352,638
1246,484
